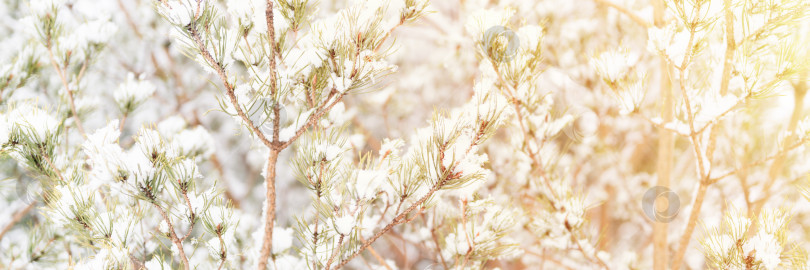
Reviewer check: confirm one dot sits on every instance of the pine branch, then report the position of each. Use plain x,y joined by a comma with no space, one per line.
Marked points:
699,156
229,88
69,93
173,236
399,219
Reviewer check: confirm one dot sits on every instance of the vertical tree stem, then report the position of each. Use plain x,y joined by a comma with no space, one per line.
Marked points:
705,173
270,208
690,225
274,147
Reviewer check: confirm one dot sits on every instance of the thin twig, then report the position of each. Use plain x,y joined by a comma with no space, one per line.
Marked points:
376,256
335,252
222,254
314,118
397,220
192,217
50,164
69,93
756,163
218,166
436,242
703,173
16,218
173,236
625,11
129,19
229,89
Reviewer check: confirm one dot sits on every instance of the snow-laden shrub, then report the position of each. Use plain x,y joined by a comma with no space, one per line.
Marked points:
291,134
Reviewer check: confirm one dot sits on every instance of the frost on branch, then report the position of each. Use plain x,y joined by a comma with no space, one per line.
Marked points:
402,134
760,243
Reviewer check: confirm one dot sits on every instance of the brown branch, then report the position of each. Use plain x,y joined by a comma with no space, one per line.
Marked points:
730,47
275,147
696,205
69,93
757,163
270,208
703,173
511,96
192,218
50,164
229,89
173,236
129,19
271,38
335,252
388,34
625,11
706,173
397,220
222,254
690,225
436,242
723,114
375,255
121,124
314,118
582,250
16,218
218,166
